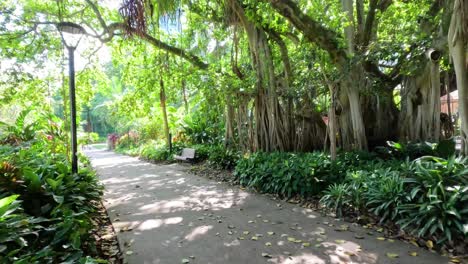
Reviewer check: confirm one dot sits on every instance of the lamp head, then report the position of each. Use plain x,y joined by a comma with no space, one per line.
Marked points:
71,33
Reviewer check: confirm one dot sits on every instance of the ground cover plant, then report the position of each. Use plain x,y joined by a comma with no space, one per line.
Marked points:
45,211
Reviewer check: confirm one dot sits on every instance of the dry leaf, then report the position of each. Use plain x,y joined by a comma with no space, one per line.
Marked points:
291,239
129,252
339,241
392,255
266,255
414,254
306,244
268,244
270,233
414,243
454,260
185,261
254,238
246,232
429,244
381,238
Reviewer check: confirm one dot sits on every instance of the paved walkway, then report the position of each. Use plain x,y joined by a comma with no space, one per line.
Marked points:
165,215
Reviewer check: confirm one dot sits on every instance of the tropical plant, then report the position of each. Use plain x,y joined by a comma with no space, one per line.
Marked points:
438,197
337,196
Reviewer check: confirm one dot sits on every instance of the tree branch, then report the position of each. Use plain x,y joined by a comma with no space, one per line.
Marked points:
312,30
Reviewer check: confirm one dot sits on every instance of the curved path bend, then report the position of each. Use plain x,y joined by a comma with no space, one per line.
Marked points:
164,214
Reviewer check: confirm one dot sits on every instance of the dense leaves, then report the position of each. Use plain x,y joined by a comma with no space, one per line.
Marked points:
45,211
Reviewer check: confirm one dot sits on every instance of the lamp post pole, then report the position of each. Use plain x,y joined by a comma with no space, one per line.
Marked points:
74,146
71,34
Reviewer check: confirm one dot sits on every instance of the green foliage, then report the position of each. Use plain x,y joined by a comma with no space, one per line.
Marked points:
438,198
427,197
45,213
337,196
88,138
128,140
287,174
222,158
153,151
399,150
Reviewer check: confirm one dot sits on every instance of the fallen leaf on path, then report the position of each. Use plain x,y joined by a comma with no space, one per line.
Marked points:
185,261
251,222
287,253
270,233
266,255
358,236
414,243
414,254
391,240
429,244
230,233
306,244
241,238
254,238
259,216
291,239
350,253
129,252
231,227
266,220
319,239
392,255
192,257
454,260
268,244
381,238
246,232
339,241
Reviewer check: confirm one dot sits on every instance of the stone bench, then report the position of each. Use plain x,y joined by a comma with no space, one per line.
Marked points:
188,154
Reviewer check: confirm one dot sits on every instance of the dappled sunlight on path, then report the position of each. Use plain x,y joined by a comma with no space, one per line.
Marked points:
163,214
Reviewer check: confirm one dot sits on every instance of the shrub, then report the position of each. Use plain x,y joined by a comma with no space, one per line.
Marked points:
45,211
384,194
222,158
438,199
414,150
337,196
159,152
287,174
202,152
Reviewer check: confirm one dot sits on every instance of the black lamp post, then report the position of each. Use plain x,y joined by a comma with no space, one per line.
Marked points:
71,34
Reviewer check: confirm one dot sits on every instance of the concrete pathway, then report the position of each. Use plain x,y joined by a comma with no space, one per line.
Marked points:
165,215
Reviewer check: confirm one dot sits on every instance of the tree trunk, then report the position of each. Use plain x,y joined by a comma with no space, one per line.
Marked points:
332,123
420,115
457,40
184,94
162,99
229,133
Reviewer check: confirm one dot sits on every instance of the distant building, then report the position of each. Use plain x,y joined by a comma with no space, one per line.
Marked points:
453,103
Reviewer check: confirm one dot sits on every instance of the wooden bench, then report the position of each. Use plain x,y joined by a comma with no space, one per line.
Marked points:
188,154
